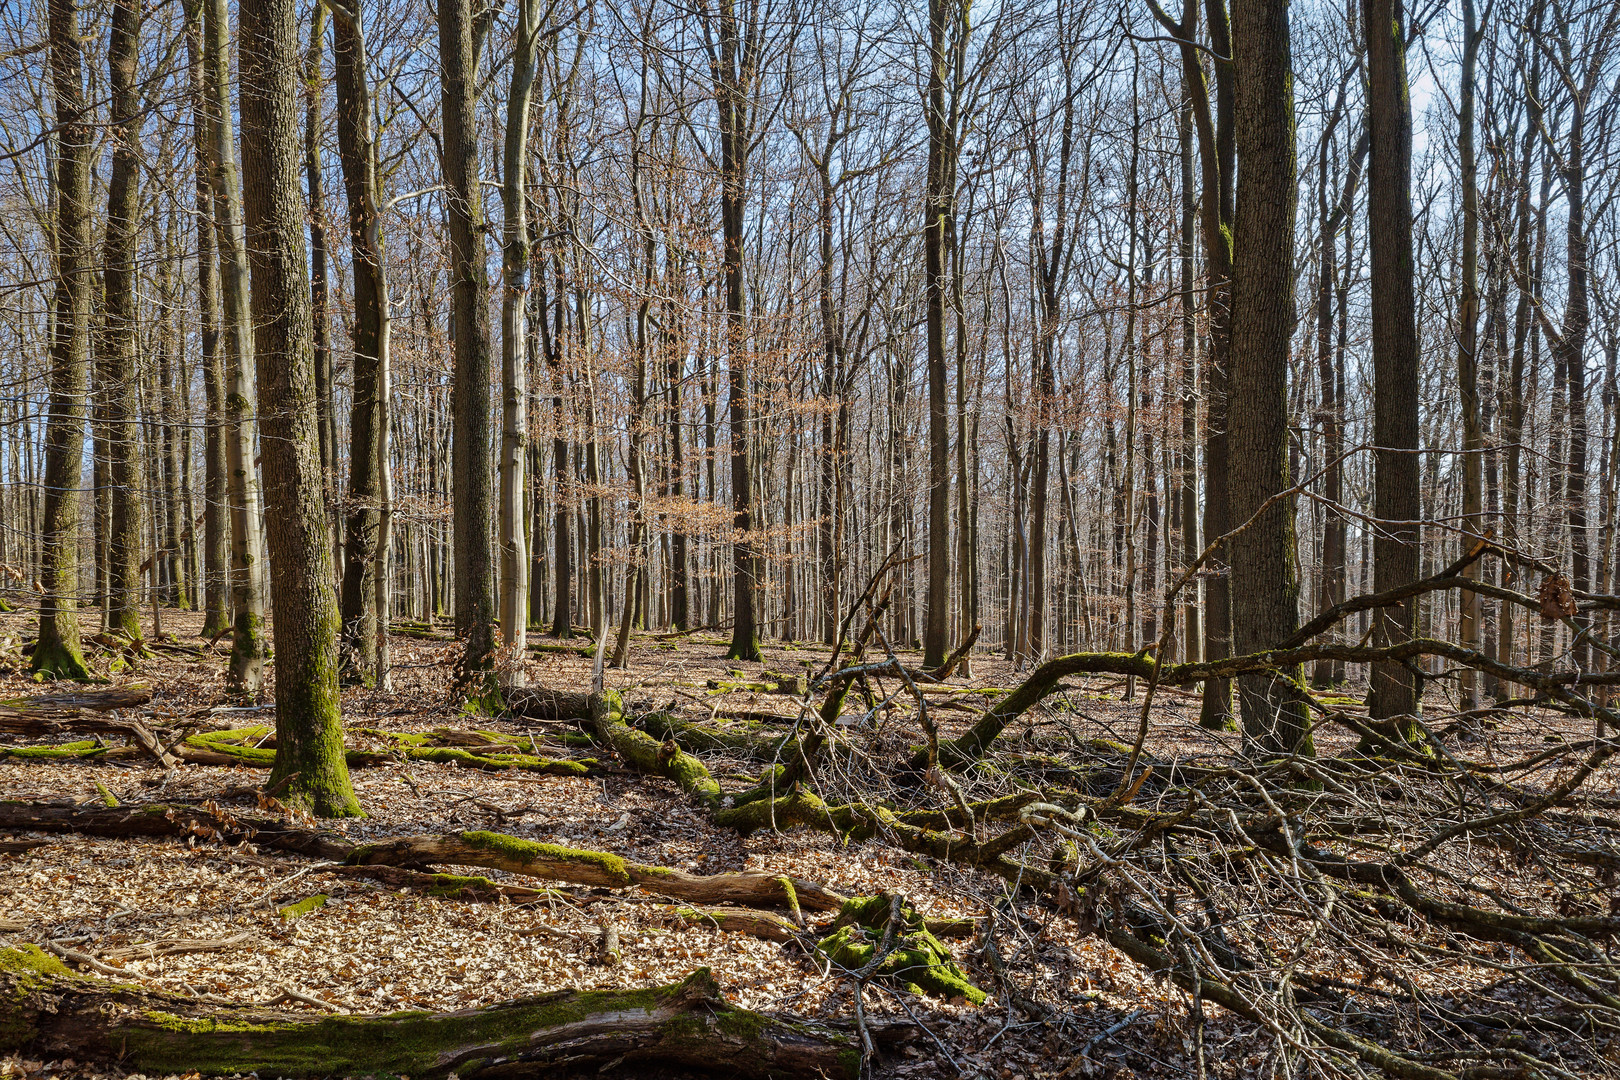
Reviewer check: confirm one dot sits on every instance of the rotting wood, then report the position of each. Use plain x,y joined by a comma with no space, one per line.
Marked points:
54,1013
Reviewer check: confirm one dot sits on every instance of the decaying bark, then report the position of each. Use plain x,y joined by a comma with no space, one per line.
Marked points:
55,1013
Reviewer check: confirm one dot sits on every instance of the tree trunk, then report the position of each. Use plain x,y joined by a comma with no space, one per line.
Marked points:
1468,631
357,152
216,586
57,653
734,74
1264,576
1396,503
459,45
247,574
115,363
309,734
514,600
320,289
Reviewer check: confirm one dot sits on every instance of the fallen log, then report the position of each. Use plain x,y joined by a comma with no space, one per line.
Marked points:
54,1013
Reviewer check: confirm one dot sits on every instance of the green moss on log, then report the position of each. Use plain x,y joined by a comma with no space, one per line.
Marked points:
304,907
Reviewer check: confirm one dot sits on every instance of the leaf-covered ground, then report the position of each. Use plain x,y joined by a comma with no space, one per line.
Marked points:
369,947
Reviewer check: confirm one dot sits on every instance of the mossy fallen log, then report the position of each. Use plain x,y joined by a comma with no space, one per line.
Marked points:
53,1013
172,821
606,720
749,737
247,747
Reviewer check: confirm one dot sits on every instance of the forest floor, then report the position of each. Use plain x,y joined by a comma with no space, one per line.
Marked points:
378,948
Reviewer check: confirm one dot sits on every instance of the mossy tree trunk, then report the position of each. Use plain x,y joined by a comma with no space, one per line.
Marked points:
309,734
57,653
54,1013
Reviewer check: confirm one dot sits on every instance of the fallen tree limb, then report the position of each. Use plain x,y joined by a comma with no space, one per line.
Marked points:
54,1013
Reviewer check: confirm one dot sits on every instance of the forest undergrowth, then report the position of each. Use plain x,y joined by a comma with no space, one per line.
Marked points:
1060,901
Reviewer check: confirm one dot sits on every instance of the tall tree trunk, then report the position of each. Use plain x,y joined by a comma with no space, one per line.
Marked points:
116,371
309,733
939,207
357,152
247,573
459,47
1396,503
734,72
1468,631
57,652
514,600
1192,624
216,586
1265,579
320,288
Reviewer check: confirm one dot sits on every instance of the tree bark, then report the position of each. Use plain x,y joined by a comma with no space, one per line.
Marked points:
358,155
247,573
115,363
216,587
309,734
57,653
1396,497
459,47
1264,576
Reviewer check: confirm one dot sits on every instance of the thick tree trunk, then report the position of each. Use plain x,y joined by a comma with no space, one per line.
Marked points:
1396,498
459,43
309,734
1264,577
247,573
57,652
685,1025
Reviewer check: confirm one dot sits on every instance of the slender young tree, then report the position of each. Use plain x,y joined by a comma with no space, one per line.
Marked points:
1473,442
57,653
514,600
309,733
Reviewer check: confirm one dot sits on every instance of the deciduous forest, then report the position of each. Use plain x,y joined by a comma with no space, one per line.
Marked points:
791,538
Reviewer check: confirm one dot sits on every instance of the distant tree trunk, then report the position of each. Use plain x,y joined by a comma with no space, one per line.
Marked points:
680,601
1264,576
309,733
514,600
57,652
1396,499
216,586
247,574
1192,623
1468,632
116,373
459,43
